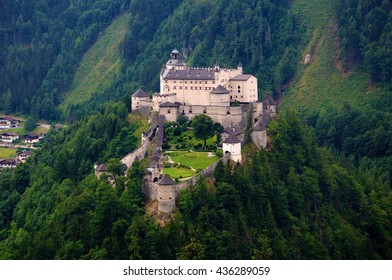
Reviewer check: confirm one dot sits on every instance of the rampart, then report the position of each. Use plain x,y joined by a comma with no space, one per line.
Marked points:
166,195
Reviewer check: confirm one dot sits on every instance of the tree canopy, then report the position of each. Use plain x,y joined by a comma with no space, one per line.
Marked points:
203,127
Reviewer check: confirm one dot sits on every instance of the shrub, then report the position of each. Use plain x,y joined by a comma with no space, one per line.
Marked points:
218,152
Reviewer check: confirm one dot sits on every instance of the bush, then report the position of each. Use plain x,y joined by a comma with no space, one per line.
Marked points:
219,153
198,146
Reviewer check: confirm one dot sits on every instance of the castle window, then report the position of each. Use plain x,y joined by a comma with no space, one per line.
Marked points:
228,112
213,82
239,87
191,87
186,82
239,91
186,87
174,87
174,82
205,82
191,82
168,111
180,87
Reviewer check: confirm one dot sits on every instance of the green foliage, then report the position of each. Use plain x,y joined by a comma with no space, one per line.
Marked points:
30,124
295,202
203,127
365,29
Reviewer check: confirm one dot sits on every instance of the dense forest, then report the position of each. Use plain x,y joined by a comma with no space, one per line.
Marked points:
322,190
365,29
294,202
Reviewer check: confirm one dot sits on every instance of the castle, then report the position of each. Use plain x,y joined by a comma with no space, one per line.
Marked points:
228,96
192,91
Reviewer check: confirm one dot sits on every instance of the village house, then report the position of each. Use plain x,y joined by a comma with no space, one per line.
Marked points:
8,163
9,137
31,138
22,156
100,169
8,122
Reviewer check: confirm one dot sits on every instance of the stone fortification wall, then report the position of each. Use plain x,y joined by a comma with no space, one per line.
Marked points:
166,195
158,98
224,115
139,152
260,138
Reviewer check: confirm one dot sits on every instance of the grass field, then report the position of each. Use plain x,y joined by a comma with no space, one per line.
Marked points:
7,152
180,172
322,83
99,65
196,160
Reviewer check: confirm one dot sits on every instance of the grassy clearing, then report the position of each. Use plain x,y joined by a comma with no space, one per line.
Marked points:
40,129
7,152
322,84
99,65
178,172
18,130
196,160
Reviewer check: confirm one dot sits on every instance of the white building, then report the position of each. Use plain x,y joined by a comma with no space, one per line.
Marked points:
233,146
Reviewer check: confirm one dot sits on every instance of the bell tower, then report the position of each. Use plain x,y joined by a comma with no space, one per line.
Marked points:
175,54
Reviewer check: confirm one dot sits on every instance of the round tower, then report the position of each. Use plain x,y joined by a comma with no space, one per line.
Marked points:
220,96
166,194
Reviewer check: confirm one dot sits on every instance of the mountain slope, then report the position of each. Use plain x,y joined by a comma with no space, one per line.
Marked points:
322,83
99,66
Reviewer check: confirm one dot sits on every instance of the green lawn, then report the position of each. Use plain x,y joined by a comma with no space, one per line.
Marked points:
7,152
18,130
175,172
196,160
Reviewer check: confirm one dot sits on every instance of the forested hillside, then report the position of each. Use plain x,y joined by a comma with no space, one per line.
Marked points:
41,50
294,202
322,189
41,45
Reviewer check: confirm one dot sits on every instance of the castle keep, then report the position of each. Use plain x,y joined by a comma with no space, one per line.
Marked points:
191,91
